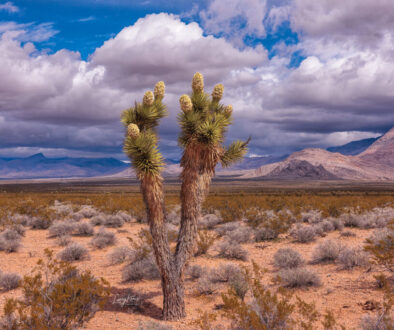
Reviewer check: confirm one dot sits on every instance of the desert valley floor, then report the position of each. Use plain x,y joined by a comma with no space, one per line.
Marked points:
349,214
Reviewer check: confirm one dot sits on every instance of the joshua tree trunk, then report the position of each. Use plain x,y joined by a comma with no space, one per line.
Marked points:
172,284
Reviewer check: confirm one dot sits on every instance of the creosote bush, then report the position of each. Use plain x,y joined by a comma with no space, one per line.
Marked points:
204,242
83,229
287,258
61,228
10,240
56,296
120,254
141,269
269,309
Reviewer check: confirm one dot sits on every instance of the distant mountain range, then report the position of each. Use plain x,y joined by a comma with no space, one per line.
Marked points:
375,163
368,159
353,148
39,166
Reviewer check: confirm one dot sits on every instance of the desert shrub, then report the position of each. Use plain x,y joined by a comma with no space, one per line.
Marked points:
57,296
10,240
337,223
227,227
141,269
98,220
153,325
40,223
239,284
61,209
204,242
287,258
205,286
19,219
113,221
381,246
61,228
347,233
195,271
326,226
142,246
265,234
9,281
352,257
267,309
10,234
326,251
126,217
381,281
64,240
223,273
84,229
240,235
87,211
77,216
311,216
209,221
303,233
20,229
375,322
230,250
120,254
299,277
74,252
103,238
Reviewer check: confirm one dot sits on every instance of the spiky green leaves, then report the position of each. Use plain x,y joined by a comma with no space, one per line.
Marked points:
143,152
198,83
235,152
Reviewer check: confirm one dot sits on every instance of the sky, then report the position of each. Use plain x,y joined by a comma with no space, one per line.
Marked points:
299,73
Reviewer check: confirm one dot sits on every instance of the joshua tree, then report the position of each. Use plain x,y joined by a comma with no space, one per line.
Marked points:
203,121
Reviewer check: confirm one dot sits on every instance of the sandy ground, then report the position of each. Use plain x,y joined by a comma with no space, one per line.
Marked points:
342,291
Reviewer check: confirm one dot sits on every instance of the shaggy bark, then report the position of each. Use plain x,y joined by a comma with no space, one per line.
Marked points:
172,284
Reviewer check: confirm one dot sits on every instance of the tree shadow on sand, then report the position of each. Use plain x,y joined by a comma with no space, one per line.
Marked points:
131,302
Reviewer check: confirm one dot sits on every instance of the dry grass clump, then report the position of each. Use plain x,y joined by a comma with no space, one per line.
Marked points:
98,220
227,227
74,252
231,250
64,240
347,233
83,229
205,286
196,271
10,240
287,258
152,325
326,251
40,223
303,233
240,235
209,221
113,221
61,228
9,281
141,269
204,241
103,238
299,277
223,273
349,258
381,246
120,254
